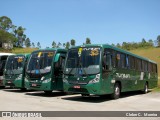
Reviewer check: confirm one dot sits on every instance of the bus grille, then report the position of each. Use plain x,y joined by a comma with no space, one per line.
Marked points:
81,90
78,82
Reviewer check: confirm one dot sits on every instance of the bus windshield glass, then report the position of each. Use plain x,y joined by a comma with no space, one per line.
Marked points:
83,61
15,64
40,62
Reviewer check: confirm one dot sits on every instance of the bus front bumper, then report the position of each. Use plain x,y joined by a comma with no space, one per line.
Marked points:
83,89
39,86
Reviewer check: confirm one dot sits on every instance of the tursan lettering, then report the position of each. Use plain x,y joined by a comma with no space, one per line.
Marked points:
122,75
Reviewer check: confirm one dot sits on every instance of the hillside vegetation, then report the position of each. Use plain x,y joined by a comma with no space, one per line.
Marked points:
19,50
151,53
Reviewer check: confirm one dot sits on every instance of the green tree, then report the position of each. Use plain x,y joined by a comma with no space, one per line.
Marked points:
67,45
73,42
158,40
39,45
118,45
113,44
59,45
6,37
64,45
88,41
143,43
150,43
20,35
33,45
54,45
5,23
27,42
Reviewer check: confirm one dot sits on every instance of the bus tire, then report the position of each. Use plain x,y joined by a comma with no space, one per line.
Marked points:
85,95
48,92
2,87
116,92
23,89
145,89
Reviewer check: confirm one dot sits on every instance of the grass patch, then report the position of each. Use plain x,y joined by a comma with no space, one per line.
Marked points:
23,50
157,89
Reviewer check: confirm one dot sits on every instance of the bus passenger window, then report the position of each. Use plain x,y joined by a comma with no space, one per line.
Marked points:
118,58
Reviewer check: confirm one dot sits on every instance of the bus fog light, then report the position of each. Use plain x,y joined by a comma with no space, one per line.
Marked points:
19,77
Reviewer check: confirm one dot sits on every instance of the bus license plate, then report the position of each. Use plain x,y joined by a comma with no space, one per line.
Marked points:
76,87
9,82
34,84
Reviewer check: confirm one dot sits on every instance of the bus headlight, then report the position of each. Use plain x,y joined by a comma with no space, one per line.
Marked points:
46,81
95,80
19,77
42,78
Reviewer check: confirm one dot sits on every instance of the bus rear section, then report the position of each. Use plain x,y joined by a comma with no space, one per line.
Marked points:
104,69
44,70
15,71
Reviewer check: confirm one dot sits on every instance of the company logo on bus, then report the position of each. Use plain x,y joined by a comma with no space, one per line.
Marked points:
122,75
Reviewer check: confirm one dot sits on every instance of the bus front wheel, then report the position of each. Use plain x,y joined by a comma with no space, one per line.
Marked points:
145,89
116,92
85,95
47,92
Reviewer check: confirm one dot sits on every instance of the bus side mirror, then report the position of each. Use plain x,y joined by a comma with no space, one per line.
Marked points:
57,57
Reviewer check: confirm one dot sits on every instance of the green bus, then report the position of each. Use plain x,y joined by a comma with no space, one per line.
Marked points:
3,58
44,70
105,69
14,72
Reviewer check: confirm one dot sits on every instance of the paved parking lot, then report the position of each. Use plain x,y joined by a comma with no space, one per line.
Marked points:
16,100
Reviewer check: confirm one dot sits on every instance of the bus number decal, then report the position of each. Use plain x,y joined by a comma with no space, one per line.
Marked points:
94,52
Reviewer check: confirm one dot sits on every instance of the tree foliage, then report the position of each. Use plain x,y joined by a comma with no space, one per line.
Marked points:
73,42
39,45
11,33
158,40
134,45
88,41
67,45
5,23
54,45
27,42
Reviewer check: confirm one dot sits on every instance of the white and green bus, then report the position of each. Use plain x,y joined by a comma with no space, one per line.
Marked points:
44,70
3,58
104,69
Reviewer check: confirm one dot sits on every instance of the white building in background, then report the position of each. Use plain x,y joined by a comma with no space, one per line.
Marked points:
8,45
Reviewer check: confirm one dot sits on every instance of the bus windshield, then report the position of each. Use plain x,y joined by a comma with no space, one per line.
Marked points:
15,64
40,62
83,61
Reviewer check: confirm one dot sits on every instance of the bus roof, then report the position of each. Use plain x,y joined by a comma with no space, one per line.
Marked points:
50,49
117,49
23,54
4,54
